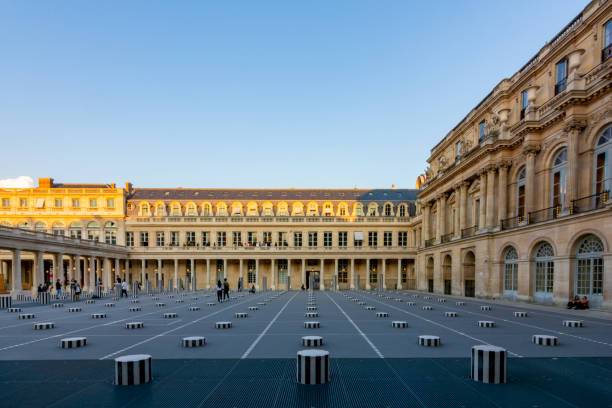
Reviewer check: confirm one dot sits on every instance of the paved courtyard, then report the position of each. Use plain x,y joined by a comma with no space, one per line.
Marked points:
253,363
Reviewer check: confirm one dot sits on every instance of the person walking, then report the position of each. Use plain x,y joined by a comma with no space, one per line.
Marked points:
124,288
239,284
58,287
219,291
225,289
77,291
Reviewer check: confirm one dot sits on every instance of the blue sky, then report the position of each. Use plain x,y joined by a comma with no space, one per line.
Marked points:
305,94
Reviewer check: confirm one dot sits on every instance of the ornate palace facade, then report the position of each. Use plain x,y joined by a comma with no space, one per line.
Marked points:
515,202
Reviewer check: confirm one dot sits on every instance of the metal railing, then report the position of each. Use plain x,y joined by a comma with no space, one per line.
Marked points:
446,237
429,242
512,222
468,232
589,203
560,86
57,237
270,219
202,248
545,214
606,53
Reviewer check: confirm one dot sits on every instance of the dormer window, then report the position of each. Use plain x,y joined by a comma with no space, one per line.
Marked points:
481,131
561,76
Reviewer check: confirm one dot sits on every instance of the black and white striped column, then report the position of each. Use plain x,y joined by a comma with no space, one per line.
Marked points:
545,340
134,325
44,298
489,364
572,323
450,314
195,341
399,324
312,366
486,323
520,314
312,325
5,301
223,325
429,341
73,342
44,326
241,315
133,370
193,308
382,314
312,341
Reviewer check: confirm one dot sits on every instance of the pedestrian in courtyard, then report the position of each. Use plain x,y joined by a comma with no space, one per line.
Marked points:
225,289
58,287
239,284
219,291
77,291
124,289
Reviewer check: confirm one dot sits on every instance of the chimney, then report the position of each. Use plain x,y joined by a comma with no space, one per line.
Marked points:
112,185
128,187
46,182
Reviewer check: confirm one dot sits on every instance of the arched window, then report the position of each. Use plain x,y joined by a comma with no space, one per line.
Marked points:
176,210
161,210
312,209
388,210
237,209
558,179
40,226
544,272
372,210
191,209
359,210
402,210
222,209
75,230
110,233
520,194
252,209
283,209
327,210
93,230
58,228
268,210
510,272
298,208
342,210
589,269
144,209
206,209
603,165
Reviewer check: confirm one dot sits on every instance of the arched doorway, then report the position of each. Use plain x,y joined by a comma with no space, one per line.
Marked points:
430,273
589,270
469,274
544,273
446,274
510,273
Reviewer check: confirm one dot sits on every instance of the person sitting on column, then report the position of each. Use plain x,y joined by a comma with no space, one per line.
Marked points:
573,304
225,289
584,303
252,289
219,291
124,288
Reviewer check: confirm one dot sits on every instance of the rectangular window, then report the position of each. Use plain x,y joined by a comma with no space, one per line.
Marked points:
174,238
520,208
129,237
312,239
93,203
404,270
205,238
358,239
372,238
221,239
342,270
237,238
76,203
297,239
252,238
402,238
373,268
93,235
481,131
144,239
267,238
282,271
458,148
282,239
327,239
76,233
160,239
342,239
557,186
110,237
387,238
6,202
601,176
607,50
59,203
190,238
251,271
23,203
110,203
524,104
561,76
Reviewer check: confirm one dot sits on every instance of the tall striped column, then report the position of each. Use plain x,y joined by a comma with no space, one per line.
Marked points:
312,366
489,364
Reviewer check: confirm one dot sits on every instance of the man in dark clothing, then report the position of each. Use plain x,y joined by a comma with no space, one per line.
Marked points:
225,289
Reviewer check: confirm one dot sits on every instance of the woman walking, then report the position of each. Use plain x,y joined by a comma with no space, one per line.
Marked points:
219,291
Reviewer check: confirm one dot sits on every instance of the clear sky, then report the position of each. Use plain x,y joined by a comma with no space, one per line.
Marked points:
316,93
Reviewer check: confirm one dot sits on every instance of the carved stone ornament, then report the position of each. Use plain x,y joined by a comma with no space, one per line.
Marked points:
575,125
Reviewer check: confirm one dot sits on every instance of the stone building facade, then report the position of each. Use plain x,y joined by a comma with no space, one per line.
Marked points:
515,202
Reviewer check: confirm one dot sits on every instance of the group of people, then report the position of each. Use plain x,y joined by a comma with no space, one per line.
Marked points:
222,290
578,303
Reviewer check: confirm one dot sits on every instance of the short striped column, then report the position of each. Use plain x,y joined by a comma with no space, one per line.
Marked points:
485,308
520,314
311,308
241,315
134,301
134,325
13,310
74,309
312,341
210,304
223,325
382,314
57,305
44,326
193,341
429,341
312,367
73,342
572,323
23,316
489,364
133,370
5,301
159,304
169,315
486,323
450,314
44,298
135,309
98,315
370,308
312,325
427,308
410,304
253,308
545,340
311,314
193,308
441,300
399,324
460,303
109,305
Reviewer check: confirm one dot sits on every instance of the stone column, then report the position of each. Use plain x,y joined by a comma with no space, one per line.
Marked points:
193,274
483,201
38,273
456,227
142,273
241,275
289,271
442,212
272,275
158,283
85,274
530,191
77,268
367,277
257,274
127,273
207,274
118,271
463,206
224,268
69,270
491,199
58,267
17,287
573,130
335,273
438,230
399,274
304,272
107,273
92,274
384,274
352,273
4,266
322,283
502,201
176,285
426,215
